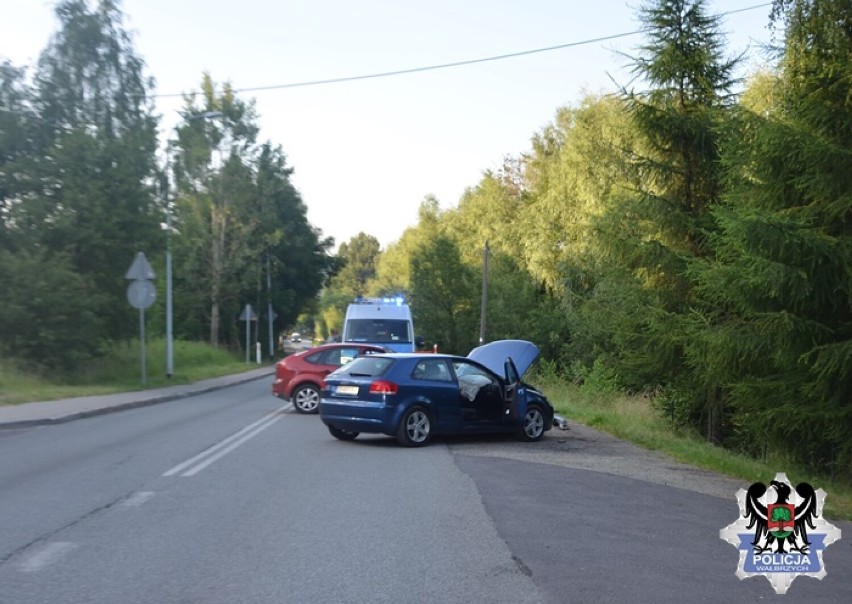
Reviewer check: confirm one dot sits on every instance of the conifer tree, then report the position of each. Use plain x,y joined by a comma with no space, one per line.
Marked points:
652,230
781,277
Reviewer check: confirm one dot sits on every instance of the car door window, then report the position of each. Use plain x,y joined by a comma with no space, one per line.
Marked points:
331,357
471,379
317,358
480,395
340,356
432,369
348,354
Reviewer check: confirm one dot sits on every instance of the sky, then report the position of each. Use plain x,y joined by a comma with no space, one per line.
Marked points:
366,153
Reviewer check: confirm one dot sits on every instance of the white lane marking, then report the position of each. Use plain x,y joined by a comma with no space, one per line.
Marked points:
138,498
227,444
45,556
230,448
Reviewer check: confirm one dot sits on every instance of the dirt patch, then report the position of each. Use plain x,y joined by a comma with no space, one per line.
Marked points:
579,446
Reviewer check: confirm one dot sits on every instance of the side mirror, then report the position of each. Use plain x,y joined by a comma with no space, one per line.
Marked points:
420,341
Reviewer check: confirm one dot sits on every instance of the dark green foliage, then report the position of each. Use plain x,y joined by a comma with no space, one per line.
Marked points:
46,319
781,278
16,144
77,202
639,310
445,296
517,309
77,155
299,256
97,135
359,256
679,117
243,235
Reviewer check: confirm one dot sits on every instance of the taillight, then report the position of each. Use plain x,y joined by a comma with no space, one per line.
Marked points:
383,387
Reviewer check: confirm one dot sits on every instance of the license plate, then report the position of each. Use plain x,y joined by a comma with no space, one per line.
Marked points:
350,390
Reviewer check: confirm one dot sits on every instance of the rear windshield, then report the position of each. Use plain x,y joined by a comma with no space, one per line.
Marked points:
365,366
379,331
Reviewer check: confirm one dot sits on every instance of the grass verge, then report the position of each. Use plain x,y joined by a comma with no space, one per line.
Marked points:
632,418
121,371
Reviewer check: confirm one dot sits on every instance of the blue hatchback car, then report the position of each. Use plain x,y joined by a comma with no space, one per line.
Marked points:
414,396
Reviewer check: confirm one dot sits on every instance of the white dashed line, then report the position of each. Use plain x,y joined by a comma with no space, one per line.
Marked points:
45,556
138,498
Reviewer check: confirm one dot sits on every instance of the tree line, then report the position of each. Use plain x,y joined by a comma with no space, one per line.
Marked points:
85,185
686,236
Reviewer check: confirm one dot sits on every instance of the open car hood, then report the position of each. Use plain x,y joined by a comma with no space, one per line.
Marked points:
494,354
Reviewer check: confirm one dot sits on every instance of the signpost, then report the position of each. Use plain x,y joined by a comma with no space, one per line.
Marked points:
248,316
141,294
271,315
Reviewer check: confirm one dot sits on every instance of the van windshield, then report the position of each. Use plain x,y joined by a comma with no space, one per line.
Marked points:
379,331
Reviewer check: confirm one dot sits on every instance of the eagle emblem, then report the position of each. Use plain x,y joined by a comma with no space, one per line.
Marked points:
781,533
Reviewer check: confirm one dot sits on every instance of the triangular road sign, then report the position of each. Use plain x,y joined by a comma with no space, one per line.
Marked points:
248,314
140,269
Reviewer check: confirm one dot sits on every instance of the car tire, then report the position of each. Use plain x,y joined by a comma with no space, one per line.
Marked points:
342,434
306,398
415,427
532,425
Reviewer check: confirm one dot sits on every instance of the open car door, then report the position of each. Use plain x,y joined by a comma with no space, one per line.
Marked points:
513,381
512,358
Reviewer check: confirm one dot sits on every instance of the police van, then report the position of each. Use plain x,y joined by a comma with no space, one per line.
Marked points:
383,321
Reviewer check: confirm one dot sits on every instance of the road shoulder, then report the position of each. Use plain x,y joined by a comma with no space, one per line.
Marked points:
585,448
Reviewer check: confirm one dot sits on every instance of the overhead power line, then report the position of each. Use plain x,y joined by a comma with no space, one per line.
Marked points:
386,74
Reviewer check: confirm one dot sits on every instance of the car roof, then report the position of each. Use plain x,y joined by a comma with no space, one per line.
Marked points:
328,345
419,355
491,355
403,356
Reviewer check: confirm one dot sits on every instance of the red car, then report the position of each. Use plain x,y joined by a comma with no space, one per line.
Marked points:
299,377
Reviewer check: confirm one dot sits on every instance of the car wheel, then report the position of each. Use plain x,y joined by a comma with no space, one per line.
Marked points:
532,428
306,398
342,434
415,429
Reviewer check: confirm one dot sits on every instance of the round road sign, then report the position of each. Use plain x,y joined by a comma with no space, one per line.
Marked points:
141,294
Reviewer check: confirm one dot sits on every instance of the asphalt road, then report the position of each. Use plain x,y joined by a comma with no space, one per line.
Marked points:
233,497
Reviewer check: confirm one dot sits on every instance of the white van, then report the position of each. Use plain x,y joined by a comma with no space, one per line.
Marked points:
383,321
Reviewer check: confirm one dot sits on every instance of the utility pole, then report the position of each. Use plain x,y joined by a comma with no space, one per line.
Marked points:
170,351
270,317
483,308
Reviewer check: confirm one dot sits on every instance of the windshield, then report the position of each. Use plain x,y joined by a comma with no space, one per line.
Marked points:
379,331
